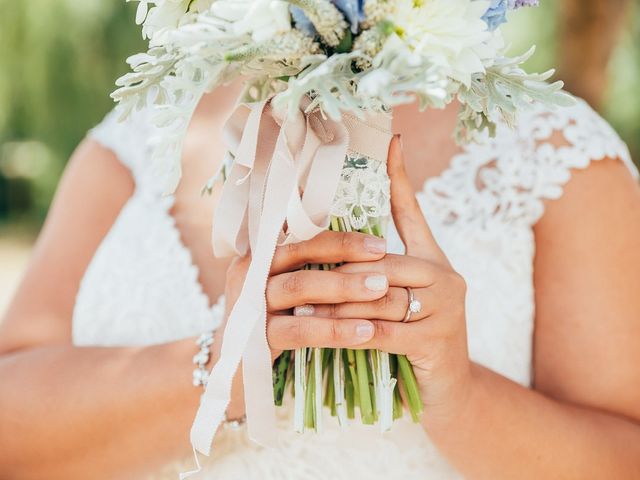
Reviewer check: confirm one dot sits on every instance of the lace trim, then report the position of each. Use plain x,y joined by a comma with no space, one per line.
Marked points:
364,192
508,178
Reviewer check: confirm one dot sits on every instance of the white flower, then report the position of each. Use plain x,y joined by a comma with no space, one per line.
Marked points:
158,17
449,33
262,19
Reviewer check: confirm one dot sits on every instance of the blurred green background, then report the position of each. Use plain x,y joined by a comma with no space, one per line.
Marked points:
59,60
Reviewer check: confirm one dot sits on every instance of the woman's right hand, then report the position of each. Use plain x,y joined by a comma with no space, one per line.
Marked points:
290,323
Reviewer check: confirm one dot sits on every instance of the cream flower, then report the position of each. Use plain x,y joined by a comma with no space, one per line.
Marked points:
262,19
449,33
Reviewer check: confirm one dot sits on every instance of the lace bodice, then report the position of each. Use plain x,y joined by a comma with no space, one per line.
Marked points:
141,286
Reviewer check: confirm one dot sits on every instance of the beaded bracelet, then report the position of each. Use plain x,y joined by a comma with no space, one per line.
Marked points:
201,359
201,374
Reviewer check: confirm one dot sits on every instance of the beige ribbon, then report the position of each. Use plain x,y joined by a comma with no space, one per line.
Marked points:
278,155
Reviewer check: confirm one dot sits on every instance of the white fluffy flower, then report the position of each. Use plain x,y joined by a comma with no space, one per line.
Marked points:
162,16
158,17
262,19
449,33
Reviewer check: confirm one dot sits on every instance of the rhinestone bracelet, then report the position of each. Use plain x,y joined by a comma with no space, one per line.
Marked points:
201,359
201,374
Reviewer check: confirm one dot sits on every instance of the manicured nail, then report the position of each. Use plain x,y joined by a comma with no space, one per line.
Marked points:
365,330
375,245
376,283
304,311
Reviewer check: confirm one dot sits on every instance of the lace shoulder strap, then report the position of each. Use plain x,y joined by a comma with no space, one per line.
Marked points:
129,140
507,178
559,141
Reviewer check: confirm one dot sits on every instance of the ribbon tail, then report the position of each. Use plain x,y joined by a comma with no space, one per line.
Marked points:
245,333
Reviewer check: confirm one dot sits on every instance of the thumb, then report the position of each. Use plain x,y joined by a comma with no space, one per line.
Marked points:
407,214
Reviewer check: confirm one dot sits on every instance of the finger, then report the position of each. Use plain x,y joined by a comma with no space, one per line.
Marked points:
328,247
392,307
394,337
407,214
288,290
401,270
289,332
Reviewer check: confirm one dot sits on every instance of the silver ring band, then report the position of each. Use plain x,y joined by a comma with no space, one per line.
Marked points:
414,305
407,316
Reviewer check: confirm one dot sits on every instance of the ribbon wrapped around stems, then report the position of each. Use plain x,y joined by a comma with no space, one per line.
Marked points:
286,169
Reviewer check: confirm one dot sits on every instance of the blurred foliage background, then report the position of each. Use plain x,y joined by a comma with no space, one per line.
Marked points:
59,60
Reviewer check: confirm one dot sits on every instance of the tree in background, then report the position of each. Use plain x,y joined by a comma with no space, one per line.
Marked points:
589,33
58,62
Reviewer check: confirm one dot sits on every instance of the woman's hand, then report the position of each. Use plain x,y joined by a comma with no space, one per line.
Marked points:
434,339
363,303
289,287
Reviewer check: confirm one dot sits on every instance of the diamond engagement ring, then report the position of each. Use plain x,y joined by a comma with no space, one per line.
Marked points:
414,305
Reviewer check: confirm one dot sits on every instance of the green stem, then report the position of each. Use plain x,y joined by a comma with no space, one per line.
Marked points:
280,368
362,368
410,385
349,390
397,398
329,383
290,373
353,374
309,403
373,367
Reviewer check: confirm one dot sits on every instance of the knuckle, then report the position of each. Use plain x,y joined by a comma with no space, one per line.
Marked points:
387,303
292,250
385,329
392,263
346,241
344,287
458,282
335,331
298,332
292,284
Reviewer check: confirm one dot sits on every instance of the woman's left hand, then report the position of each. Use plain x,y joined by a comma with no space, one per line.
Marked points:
434,339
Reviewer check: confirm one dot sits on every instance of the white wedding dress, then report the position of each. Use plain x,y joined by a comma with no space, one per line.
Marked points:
142,287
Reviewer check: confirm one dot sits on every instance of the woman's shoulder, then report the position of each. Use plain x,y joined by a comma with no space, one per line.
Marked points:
128,138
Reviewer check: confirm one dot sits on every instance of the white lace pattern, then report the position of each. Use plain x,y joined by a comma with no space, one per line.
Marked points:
363,192
141,287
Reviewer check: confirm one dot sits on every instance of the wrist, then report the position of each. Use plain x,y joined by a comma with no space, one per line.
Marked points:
460,412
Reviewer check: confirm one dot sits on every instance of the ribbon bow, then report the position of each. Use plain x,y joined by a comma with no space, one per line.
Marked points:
286,170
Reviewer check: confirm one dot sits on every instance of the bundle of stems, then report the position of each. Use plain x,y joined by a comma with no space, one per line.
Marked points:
344,379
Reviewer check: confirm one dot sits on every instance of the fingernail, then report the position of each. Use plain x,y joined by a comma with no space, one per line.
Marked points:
375,245
304,311
376,283
365,330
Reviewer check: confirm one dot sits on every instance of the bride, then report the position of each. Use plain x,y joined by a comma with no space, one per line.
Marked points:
526,349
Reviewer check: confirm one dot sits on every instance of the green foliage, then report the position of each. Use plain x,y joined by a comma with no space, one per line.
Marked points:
58,62
507,89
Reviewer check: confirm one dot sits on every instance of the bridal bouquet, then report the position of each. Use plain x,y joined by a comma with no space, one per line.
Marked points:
320,79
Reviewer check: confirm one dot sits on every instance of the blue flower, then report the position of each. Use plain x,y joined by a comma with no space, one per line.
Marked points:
353,11
497,14
301,21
